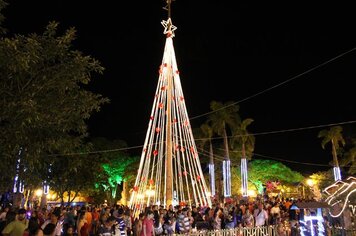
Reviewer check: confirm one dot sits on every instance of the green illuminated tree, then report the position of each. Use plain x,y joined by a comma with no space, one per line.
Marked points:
117,164
44,101
261,171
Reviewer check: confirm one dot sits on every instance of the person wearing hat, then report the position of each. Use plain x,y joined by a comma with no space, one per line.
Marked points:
18,226
55,219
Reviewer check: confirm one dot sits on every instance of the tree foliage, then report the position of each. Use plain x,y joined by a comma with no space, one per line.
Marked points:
44,103
333,136
117,164
349,160
261,171
73,174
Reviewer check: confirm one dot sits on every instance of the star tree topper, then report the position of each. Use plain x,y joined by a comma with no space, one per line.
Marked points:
169,28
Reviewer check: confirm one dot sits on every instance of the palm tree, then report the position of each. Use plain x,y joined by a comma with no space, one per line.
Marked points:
334,135
246,143
350,159
224,116
208,134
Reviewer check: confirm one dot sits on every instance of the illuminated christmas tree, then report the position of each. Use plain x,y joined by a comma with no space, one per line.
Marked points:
170,171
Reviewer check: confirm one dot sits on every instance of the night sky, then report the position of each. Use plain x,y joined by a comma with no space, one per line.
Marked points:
225,53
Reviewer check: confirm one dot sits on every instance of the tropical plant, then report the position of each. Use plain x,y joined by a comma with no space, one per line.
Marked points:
333,136
242,142
223,117
44,103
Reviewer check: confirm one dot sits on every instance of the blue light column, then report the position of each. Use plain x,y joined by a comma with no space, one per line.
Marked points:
244,184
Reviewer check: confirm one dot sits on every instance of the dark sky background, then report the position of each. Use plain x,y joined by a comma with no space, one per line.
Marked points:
225,52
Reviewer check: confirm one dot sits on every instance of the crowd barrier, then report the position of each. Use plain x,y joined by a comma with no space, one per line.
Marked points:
263,231
255,231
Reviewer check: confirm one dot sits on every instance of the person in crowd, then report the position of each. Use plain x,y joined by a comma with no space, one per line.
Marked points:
137,226
33,224
147,224
82,226
183,222
54,219
18,226
158,224
120,226
247,219
261,216
3,217
107,228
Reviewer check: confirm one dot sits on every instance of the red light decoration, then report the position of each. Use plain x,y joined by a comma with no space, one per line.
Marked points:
151,181
158,129
160,106
135,188
155,152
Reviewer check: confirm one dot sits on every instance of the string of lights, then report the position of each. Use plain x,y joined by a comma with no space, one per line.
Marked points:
221,158
279,84
216,138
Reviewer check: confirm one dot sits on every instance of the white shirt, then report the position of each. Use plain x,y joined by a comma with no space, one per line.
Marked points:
58,229
260,217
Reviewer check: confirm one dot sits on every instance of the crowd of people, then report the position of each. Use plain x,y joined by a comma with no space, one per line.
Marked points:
153,220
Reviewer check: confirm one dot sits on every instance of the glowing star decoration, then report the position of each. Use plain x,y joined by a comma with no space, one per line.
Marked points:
169,28
339,195
171,159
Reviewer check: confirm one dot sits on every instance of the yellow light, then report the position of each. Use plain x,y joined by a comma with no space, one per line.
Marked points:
39,192
251,193
310,182
49,196
150,192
